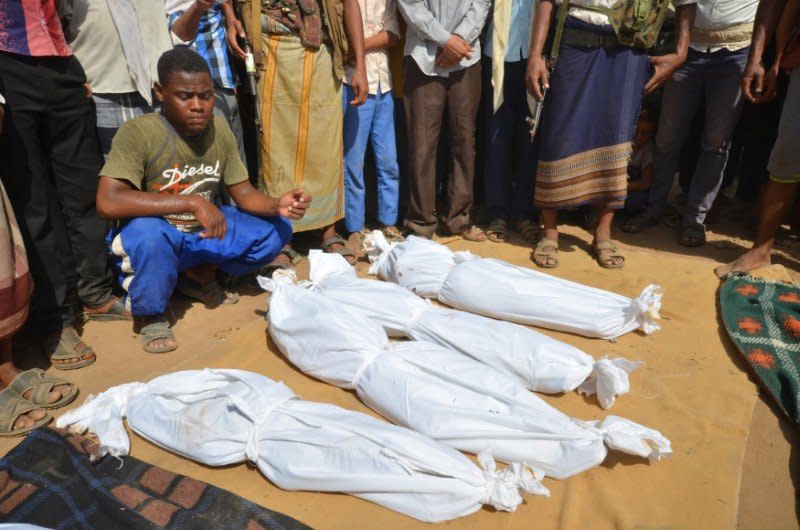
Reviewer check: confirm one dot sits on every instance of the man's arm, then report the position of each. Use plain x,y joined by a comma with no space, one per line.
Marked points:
185,28
383,40
292,205
665,65
355,34
471,25
537,76
755,87
233,30
117,199
421,20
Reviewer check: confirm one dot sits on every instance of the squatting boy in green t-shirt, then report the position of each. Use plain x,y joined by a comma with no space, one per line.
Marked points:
162,179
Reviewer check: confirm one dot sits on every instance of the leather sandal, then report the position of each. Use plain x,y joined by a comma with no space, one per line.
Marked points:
40,385
607,255
69,352
545,255
12,406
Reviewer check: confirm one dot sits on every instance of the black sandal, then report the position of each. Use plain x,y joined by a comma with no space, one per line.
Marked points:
497,231
344,251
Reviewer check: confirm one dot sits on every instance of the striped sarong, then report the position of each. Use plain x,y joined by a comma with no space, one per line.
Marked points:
301,112
588,123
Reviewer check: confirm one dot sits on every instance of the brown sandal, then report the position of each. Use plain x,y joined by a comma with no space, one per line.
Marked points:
69,352
608,255
497,231
114,309
545,255
343,250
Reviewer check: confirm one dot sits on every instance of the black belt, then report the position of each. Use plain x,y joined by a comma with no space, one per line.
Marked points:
588,39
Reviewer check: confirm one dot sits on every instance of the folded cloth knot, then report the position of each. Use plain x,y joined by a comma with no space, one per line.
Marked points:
376,247
503,487
610,380
463,255
279,277
646,307
630,437
368,360
259,418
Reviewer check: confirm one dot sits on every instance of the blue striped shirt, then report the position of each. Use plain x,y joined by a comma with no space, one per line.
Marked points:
212,46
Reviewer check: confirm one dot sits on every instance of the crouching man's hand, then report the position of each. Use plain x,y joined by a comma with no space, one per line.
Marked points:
294,204
209,216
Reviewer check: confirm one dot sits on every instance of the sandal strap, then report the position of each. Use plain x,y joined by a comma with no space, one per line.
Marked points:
73,346
544,244
291,253
38,383
335,239
12,406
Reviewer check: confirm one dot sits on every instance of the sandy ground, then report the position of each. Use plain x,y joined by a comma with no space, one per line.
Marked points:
731,438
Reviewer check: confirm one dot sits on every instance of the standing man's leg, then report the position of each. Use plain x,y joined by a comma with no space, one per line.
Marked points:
384,147
781,191
498,154
425,99
524,154
75,162
226,103
357,124
463,98
682,96
723,108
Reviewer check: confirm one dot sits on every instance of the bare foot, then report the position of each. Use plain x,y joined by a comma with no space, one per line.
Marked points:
749,261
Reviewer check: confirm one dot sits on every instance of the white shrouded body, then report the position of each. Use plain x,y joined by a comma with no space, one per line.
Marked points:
223,417
497,289
539,362
444,394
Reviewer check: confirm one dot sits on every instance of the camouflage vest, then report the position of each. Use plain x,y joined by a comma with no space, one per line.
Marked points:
635,22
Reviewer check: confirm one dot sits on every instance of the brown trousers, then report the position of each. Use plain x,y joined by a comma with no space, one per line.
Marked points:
426,99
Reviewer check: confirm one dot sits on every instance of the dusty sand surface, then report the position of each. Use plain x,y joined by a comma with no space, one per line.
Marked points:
692,388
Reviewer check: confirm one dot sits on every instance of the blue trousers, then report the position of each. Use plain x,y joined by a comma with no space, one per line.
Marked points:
715,77
509,170
372,122
151,252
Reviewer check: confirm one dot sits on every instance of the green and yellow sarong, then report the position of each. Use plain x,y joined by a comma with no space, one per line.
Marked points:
301,113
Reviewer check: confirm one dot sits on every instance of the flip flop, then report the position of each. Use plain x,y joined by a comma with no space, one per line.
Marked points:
12,406
545,255
40,385
344,251
497,230
605,253
157,329
114,309
211,294
70,352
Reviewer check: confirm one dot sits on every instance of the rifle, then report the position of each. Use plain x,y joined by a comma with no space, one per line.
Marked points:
252,90
535,105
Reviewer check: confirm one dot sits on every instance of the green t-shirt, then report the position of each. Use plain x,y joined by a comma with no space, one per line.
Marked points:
150,154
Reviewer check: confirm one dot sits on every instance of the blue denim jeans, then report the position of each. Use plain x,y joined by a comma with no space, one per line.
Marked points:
371,122
715,77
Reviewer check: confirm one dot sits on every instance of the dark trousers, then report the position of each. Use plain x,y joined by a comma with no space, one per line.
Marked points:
509,157
53,162
426,100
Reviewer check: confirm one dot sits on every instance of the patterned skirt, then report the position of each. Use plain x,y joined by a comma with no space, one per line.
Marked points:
15,279
588,123
301,114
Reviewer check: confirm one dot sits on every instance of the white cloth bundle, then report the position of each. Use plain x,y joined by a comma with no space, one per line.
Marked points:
539,362
223,417
497,289
442,393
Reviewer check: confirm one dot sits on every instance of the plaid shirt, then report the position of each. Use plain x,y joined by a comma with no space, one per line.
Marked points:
212,46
